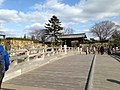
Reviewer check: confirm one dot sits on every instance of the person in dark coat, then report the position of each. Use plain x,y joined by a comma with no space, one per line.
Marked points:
4,63
109,51
102,50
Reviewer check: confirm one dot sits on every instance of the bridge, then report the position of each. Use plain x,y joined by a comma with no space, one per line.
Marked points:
61,68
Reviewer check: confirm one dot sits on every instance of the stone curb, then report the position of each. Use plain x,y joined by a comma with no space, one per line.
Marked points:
89,80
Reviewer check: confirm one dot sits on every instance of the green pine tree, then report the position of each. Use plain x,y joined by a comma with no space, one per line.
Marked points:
53,29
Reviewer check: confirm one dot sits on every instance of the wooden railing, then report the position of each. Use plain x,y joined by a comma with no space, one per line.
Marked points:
22,55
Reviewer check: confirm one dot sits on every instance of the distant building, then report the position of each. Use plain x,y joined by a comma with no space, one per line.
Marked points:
69,38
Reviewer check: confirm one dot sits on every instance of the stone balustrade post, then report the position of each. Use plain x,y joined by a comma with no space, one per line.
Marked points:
43,54
36,57
53,51
48,53
57,50
65,49
78,49
61,50
27,53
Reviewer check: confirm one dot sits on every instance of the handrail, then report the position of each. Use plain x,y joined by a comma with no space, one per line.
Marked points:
21,50
36,53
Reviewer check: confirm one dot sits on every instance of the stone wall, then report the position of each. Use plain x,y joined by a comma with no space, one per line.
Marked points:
16,44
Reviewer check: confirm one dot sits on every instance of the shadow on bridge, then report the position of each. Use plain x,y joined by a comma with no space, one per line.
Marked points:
113,81
7,89
116,56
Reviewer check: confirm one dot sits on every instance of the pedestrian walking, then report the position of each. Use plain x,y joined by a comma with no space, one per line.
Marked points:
113,50
86,50
4,63
94,50
80,49
102,50
98,50
109,51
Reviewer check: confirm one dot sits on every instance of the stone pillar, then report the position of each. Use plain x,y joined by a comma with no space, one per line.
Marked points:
53,51
27,53
43,54
78,49
61,49
65,49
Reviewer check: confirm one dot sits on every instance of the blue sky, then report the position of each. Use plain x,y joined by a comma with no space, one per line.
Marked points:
19,17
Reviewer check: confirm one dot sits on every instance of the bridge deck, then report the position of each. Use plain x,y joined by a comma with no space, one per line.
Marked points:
70,73
106,73
65,74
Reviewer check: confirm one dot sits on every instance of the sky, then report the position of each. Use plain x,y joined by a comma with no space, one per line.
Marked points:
19,17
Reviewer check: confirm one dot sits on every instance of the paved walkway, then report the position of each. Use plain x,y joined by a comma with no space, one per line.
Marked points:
106,73
69,73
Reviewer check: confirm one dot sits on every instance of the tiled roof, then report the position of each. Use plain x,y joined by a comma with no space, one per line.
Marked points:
82,35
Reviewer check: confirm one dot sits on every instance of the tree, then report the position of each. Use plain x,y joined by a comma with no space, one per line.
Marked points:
68,30
25,36
92,40
38,35
116,38
104,29
53,29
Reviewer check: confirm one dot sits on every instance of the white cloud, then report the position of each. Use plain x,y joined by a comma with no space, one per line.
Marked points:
62,10
67,24
7,31
82,31
9,15
101,9
74,15
81,12
35,26
35,16
68,15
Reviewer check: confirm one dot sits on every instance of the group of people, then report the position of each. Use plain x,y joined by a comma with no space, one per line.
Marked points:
97,49
101,50
92,49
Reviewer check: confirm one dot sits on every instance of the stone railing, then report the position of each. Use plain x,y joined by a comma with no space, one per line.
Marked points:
22,55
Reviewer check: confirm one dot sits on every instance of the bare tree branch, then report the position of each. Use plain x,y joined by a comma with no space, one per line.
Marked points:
104,29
